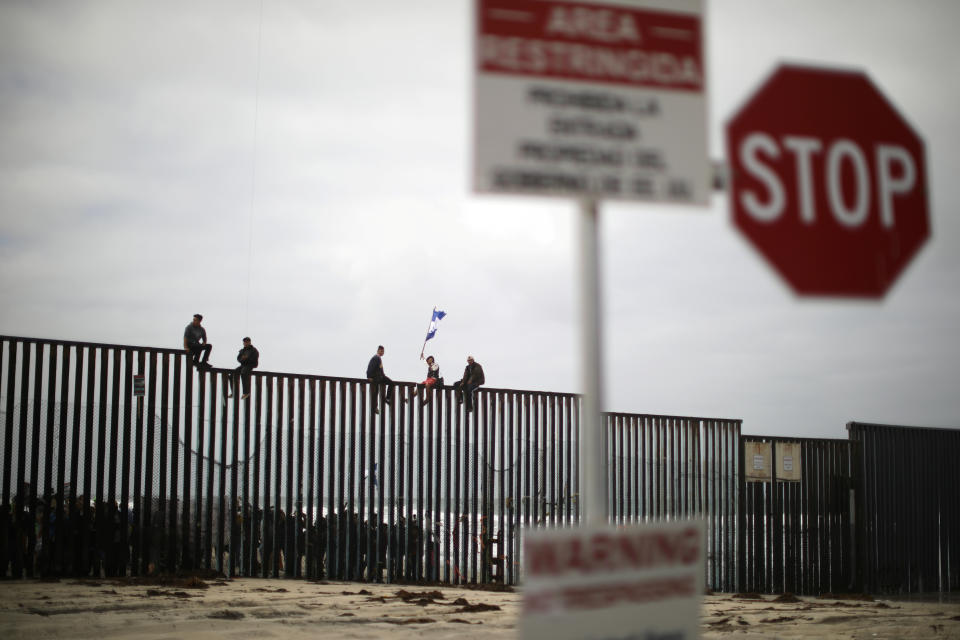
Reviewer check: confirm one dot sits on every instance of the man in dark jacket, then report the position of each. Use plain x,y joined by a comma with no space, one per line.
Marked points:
249,358
378,378
195,342
467,386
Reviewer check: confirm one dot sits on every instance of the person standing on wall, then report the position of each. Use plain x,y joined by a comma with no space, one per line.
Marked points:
380,381
195,342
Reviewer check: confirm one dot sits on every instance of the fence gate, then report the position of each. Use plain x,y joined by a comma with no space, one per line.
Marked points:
796,516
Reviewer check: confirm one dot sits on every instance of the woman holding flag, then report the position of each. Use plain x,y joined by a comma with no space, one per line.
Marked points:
433,378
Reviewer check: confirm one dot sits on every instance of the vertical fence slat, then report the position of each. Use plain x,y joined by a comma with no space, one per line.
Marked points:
268,543
251,476
291,525
395,483
514,454
450,510
312,519
8,423
172,545
114,426
209,496
145,507
382,522
280,527
458,494
133,438
505,466
164,462
50,492
221,487
237,501
36,493
474,480
62,519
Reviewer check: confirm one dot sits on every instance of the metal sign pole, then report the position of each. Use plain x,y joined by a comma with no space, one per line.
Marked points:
593,484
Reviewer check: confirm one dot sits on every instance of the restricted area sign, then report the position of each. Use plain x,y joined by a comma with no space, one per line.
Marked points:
828,182
613,582
591,99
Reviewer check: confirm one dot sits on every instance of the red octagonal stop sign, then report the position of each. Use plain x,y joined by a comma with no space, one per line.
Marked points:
828,181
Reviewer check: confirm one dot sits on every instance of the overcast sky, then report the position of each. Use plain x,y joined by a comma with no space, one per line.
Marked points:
299,172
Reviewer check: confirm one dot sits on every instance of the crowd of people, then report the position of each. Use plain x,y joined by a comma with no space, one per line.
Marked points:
53,536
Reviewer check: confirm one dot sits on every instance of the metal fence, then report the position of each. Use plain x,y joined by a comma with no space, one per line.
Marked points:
797,536
122,460
670,467
307,477
908,480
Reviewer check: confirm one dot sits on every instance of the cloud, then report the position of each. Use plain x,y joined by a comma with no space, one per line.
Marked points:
303,178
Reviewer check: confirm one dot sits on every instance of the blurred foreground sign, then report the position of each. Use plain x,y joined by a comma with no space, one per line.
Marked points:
828,182
613,582
591,99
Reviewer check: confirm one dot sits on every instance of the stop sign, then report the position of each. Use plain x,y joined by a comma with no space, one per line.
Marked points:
828,181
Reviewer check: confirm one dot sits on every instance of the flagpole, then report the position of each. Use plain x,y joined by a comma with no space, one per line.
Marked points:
428,331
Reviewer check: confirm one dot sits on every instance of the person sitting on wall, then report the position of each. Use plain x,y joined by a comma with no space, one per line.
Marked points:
195,342
379,379
433,379
467,386
249,359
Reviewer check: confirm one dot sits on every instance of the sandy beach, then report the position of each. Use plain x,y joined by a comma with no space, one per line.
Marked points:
167,609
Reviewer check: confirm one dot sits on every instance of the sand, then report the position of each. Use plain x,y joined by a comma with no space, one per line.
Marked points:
153,609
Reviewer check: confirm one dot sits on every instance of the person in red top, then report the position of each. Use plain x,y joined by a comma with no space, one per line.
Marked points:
433,379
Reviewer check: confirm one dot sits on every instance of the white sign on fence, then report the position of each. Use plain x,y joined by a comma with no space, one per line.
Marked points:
789,461
613,582
758,466
606,100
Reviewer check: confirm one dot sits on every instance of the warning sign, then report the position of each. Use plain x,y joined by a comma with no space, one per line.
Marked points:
757,463
607,582
788,461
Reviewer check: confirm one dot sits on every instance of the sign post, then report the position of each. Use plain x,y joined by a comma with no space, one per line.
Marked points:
596,99
591,100
593,482
828,182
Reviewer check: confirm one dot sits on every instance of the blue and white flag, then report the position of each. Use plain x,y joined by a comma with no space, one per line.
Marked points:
437,317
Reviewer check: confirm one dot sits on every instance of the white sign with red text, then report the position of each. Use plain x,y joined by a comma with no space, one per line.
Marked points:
598,98
643,581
